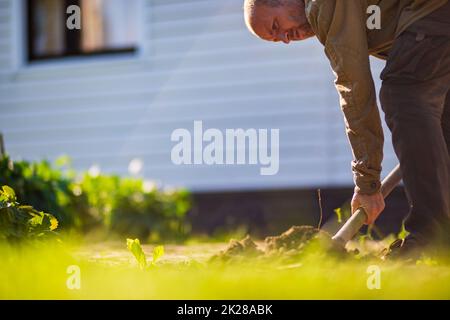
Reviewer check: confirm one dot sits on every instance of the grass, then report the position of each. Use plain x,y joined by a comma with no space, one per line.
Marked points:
109,271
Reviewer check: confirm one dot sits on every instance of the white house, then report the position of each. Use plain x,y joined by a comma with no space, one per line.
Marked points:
159,65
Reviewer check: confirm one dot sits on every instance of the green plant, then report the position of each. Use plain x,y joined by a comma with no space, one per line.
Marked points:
46,187
158,252
134,246
403,232
127,208
83,201
344,212
338,212
18,222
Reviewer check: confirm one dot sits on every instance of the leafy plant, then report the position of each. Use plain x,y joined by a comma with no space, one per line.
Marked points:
343,213
338,212
158,252
83,201
134,246
18,222
45,187
126,207
403,232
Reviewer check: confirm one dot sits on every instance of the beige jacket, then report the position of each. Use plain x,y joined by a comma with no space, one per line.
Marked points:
341,26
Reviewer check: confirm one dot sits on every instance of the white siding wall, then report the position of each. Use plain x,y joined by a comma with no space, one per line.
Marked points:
197,62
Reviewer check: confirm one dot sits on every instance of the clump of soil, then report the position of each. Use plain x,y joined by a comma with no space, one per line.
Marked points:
244,248
292,239
289,244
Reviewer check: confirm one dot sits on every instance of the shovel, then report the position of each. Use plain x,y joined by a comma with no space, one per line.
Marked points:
357,220
293,238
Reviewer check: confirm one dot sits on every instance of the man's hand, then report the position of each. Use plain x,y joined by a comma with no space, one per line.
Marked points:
372,204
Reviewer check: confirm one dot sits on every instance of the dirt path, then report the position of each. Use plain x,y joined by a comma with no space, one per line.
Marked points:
285,246
116,253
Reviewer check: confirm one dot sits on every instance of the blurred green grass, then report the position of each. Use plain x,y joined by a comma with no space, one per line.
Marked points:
109,271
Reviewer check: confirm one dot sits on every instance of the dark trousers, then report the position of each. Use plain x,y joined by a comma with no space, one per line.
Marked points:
415,98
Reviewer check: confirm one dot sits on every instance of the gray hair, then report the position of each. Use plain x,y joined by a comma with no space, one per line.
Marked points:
250,5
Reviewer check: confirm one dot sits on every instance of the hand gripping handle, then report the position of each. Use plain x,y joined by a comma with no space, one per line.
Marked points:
357,220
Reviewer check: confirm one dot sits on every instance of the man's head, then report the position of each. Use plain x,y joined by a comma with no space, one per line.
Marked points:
277,20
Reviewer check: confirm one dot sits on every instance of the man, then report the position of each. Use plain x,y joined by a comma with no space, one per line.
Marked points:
414,37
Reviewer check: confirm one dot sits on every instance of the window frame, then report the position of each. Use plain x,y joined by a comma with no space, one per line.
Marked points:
71,53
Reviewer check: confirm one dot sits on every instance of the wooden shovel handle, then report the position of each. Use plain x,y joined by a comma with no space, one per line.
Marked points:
357,220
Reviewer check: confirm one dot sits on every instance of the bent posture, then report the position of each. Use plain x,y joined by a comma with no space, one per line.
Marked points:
414,38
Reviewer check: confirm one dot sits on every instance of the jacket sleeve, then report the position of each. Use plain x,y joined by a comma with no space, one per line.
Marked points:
341,26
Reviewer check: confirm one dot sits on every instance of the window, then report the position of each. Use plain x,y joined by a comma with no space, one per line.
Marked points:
107,26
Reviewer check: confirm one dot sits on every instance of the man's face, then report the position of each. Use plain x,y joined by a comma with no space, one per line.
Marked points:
285,23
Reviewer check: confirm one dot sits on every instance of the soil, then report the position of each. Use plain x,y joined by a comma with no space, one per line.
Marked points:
290,243
292,239
235,249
